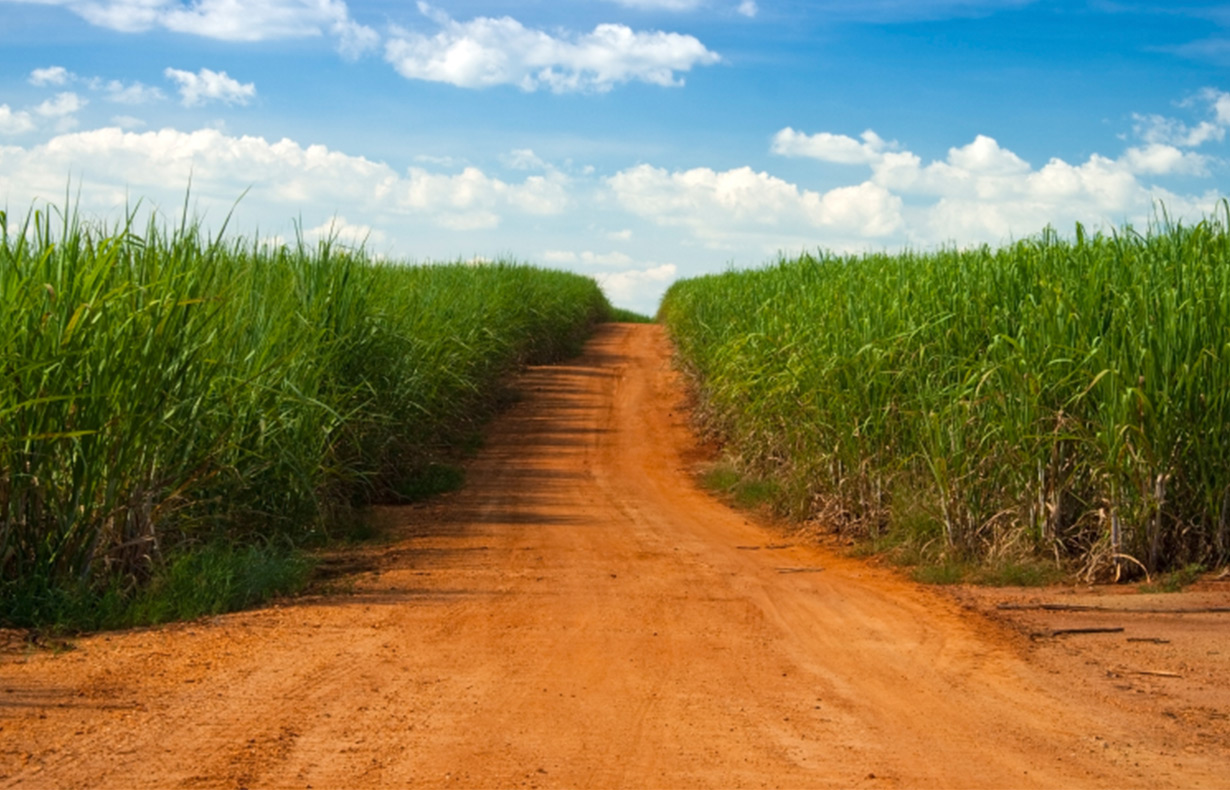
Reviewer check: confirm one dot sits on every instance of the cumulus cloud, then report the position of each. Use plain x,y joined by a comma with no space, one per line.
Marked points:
748,8
487,51
228,20
130,93
208,85
61,109
62,104
523,159
470,200
340,231
828,147
638,287
587,258
159,164
114,90
1157,129
719,207
127,122
15,121
982,191
52,75
1159,159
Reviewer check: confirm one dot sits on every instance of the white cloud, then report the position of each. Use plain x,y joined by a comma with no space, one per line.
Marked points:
587,258
230,20
1158,159
1159,130
828,147
61,110
52,75
439,161
113,164
62,104
748,8
469,200
353,39
208,85
640,288
1219,102
523,159
487,51
722,207
128,122
15,121
133,93
115,90
347,234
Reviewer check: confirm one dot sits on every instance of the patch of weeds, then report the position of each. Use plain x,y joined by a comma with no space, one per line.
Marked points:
1176,580
754,493
471,443
1021,573
745,492
359,528
945,572
218,578
721,477
209,579
431,480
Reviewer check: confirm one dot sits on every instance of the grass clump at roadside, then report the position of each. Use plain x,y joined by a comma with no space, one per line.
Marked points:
621,315
164,394
748,493
1061,401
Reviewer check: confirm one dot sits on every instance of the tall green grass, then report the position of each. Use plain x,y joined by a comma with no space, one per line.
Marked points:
161,389
1069,397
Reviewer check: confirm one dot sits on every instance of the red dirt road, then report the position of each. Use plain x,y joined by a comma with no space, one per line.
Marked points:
580,615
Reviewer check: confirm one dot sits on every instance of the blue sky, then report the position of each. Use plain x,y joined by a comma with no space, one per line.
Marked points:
635,140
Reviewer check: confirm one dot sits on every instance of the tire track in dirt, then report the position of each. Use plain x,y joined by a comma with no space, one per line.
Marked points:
579,615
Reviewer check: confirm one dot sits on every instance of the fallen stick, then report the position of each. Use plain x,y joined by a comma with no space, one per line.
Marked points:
1077,607
799,570
1067,631
1150,639
1157,673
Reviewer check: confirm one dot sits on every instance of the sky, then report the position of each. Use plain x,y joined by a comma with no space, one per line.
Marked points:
637,141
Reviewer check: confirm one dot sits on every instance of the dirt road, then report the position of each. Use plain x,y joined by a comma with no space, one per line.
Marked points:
582,616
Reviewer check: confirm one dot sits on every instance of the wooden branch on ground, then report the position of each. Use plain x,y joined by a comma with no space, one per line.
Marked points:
1067,631
1077,607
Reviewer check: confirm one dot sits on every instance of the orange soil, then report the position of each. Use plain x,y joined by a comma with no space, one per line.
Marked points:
582,615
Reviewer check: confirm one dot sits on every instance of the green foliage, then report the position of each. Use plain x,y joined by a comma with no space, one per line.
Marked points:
213,579
1027,573
945,572
745,492
1060,397
432,480
1175,580
162,389
621,315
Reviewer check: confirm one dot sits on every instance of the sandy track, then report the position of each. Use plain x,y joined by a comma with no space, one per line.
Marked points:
581,616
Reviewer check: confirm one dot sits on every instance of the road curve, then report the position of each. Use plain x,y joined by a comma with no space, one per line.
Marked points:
580,615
